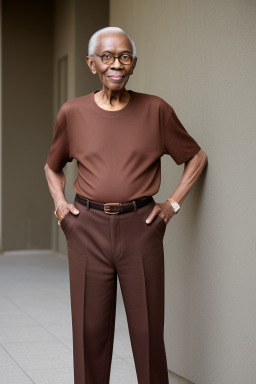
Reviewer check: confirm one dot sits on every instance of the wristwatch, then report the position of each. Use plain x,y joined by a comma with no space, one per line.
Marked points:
175,205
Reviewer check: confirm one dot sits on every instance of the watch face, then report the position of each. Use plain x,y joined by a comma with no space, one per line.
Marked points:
175,206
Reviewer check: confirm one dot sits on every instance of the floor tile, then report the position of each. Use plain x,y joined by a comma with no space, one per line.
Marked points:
14,319
24,333
14,377
6,361
52,376
40,355
122,372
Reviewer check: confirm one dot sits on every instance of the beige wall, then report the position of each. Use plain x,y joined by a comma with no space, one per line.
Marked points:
200,57
26,125
88,21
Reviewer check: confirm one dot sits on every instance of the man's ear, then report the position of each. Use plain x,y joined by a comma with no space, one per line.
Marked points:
91,64
134,65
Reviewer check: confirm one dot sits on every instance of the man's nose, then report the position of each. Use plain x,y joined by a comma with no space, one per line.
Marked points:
116,63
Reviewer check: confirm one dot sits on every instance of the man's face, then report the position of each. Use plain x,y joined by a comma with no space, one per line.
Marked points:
116,75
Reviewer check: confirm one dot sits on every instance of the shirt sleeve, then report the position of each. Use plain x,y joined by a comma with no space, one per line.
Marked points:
177,142
59,153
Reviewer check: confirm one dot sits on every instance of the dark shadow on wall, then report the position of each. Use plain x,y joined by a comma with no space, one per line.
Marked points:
27,72
198,191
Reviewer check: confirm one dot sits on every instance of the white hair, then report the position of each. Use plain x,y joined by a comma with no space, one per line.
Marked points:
94,39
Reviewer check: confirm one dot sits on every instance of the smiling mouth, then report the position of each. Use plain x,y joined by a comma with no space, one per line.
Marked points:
116,77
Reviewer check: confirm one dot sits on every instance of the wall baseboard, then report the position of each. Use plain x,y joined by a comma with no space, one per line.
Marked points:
176,379
23,252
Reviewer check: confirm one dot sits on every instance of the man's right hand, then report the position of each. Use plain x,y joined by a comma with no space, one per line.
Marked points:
56,183
64,209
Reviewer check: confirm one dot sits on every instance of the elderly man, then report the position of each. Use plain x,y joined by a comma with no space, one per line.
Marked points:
115,227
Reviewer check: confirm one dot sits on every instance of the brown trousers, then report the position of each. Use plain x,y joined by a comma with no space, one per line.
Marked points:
100,247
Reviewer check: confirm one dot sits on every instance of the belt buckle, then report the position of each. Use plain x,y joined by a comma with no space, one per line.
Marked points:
108,212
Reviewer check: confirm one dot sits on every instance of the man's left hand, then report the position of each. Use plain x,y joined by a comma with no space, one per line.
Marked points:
164,210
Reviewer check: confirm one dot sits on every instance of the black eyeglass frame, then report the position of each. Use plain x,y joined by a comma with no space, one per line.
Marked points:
115,57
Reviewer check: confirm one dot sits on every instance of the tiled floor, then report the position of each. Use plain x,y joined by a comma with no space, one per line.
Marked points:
35,323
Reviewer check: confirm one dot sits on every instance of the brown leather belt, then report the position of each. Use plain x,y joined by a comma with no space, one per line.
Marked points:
114,208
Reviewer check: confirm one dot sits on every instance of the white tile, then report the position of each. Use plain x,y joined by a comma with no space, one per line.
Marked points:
45,316
26,296
7,306
6,362
14,377
24,333
52,376
122,345
40,297
62,331
14,319
40,355
68,342
64,298
122,372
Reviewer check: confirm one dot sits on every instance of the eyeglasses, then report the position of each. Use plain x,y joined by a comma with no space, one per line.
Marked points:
108,58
